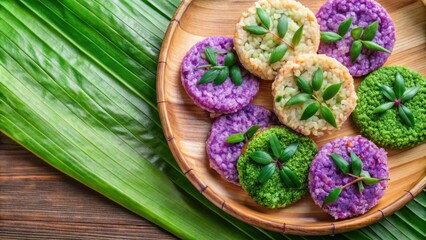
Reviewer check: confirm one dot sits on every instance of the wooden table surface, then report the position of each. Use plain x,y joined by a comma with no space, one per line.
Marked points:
39,202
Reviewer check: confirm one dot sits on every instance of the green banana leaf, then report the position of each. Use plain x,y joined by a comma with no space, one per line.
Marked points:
77,88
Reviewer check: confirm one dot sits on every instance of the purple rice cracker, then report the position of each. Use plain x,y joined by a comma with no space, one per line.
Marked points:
363,12
223,156
224,98
324,176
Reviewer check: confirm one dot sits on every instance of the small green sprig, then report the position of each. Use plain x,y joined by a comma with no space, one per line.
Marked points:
354,170
278,52
362,37
310,92
243,136
276,161
397,96
219,74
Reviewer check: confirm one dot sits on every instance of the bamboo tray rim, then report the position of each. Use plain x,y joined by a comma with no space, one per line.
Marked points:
330,228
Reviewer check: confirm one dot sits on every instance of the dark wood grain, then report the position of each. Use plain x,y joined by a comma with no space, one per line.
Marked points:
39,202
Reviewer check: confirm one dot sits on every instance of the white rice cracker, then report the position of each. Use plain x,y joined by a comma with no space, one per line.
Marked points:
254,51
305,66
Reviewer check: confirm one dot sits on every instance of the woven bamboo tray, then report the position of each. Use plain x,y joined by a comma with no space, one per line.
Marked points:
186,126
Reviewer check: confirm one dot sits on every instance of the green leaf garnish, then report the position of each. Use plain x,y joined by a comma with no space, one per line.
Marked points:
304,85
235,74
299,98
387,92
370,31
204,66
332,196
344,27
406,115
356,164
360,186
355,50
318,79
356,33
209,76
297,36
289,151
266,173
331,91
221,77
399,86
286,179
256,30
242,137
293,177
340,162
361,176
275,145
236,138
282,27
289,178
374,46
210,55
328,116
264,17
409,93
251,131
278,53
261,157
230,59
371,181
398,95
330,37
384,107
365,174
310,110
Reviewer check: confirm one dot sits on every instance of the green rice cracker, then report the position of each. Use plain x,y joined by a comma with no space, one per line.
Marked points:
398,125
295,155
